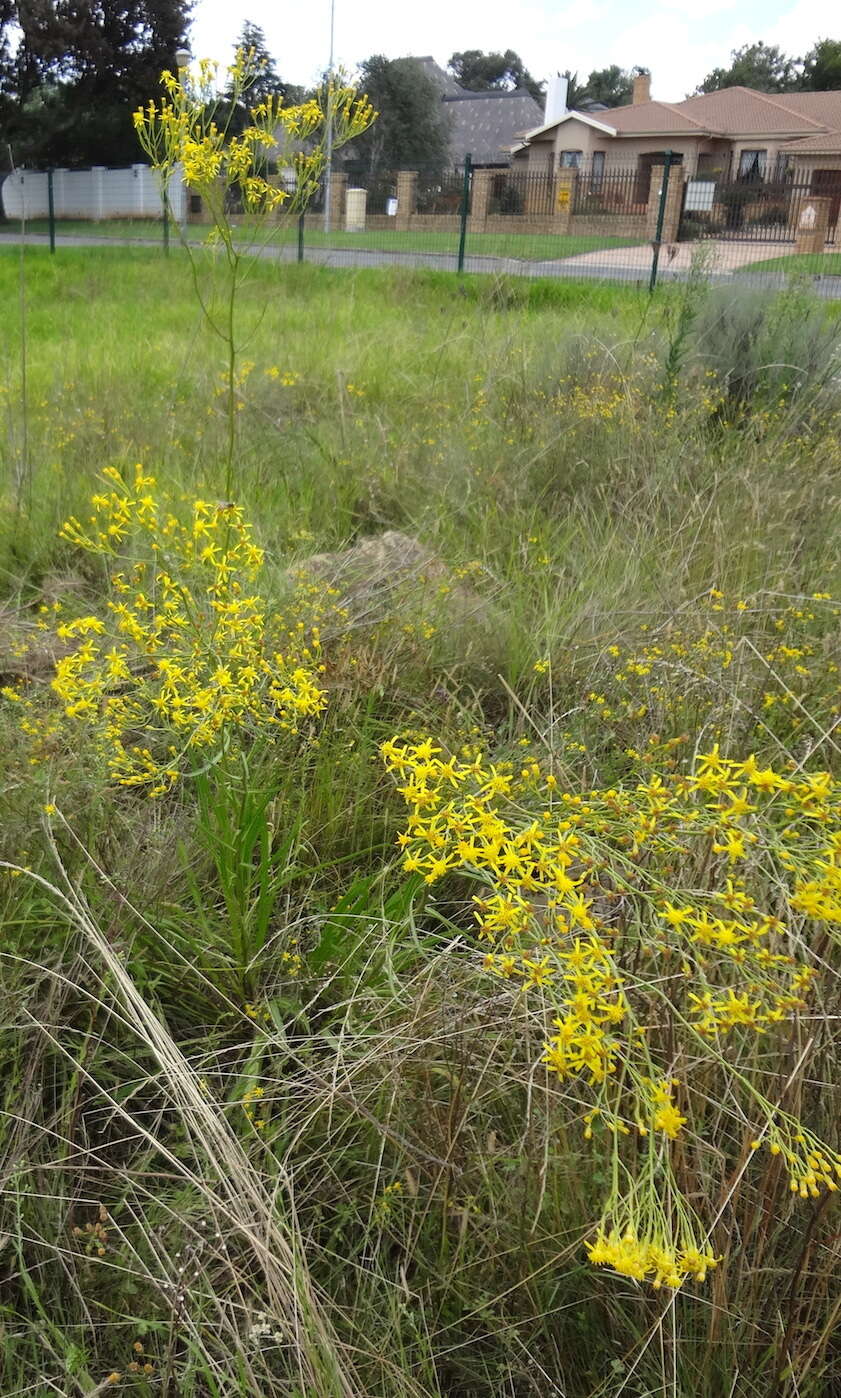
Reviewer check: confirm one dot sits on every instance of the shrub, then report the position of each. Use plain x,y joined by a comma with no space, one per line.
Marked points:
770,349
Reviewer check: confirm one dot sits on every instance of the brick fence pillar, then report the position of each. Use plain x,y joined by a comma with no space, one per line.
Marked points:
338,193
812,223
480,199
674,202
565,183
407,199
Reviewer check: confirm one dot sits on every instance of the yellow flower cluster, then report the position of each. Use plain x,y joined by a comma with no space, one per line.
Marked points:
584,895
252,1106
555,873
717,656
182,130
649,1259
189,652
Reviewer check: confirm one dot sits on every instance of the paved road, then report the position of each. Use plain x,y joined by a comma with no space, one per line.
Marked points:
627,265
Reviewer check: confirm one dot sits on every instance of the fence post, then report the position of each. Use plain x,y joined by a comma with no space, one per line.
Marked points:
166,220
813,224
479,204
338,198
51,208
661,214
465,204
566,183
407,195
301,236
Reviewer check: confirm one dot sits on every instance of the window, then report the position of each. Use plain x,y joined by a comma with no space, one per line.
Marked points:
752,164
570,159
597,169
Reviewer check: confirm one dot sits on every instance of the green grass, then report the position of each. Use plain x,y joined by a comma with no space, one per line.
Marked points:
824,264
582,465
529,246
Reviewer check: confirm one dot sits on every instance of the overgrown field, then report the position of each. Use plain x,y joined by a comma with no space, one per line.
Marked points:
421,843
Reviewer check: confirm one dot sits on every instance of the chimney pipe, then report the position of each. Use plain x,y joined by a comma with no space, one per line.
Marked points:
642,88
556,99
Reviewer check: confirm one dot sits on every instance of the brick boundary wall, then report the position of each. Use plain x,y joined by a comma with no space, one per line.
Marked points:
578,225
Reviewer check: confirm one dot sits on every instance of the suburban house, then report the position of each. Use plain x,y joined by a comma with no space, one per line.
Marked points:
484,125
736,133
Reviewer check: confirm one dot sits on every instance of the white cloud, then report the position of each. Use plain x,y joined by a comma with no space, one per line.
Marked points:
798,28
680,40
691,9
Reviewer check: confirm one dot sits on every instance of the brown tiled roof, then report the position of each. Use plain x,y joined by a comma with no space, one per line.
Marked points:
655,117
739,111
828,143
823,107
811,121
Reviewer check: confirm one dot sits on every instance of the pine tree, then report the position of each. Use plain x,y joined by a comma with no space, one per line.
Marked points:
478,71
412,130
80,70
267,83
763,67
822,67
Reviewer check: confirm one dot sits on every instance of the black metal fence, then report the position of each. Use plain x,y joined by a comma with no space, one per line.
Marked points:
758,210
441,195
381,193
515,193
611,193
636,224
590,190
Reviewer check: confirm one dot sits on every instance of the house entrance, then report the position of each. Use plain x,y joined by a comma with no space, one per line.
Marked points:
645,165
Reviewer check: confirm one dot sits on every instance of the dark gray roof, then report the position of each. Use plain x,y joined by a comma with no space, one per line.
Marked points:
482,124
487,124
447,83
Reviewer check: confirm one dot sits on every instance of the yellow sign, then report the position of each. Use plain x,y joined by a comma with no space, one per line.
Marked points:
563,199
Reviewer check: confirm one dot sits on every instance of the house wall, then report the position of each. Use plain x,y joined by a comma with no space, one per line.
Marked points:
94,194
621,153
624,153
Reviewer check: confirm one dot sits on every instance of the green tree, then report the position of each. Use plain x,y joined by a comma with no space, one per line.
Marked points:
576,91
761,66
412,130
81,67
8,70
487,72
612,86
267,83
822,67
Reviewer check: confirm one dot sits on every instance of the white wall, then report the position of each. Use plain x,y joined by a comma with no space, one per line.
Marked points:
93,194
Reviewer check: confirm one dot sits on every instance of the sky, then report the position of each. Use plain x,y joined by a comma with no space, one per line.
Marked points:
680,41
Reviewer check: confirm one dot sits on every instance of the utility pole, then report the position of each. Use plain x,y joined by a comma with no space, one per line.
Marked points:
328,144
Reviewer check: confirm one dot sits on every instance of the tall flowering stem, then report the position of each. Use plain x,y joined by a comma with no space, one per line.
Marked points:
189,130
